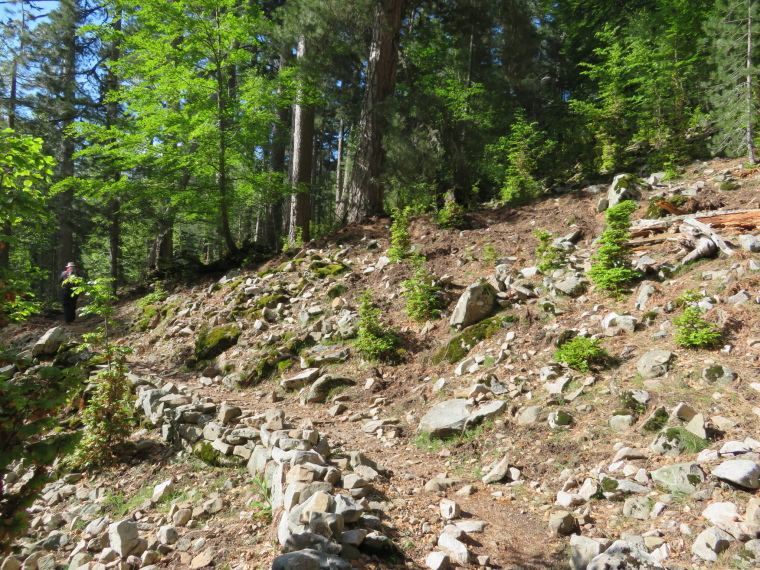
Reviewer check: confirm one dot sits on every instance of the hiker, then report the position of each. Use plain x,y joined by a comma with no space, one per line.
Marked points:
68,297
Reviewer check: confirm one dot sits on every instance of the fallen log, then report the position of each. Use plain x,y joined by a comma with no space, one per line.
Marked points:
708,232
744,219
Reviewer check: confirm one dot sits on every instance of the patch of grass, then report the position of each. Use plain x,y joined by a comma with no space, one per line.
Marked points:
461,344
336,290
581,353
693,331
690,443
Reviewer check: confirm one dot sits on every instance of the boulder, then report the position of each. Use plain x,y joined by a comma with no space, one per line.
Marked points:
679,478
742,472
445,418
475,304
719,374
710,543
319,391
622,555
654,363
50,342
624,187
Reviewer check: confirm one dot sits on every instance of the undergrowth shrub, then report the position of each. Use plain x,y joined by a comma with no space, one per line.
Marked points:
451,216
423,301
692,330
374,341
581,353
401,239
108,417
611,270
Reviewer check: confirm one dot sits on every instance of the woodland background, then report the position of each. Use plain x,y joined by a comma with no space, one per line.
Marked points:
189,133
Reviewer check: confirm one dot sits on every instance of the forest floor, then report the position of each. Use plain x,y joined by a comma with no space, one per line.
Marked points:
517,535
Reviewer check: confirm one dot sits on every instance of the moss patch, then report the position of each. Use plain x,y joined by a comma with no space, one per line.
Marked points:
212,342
336,290
270,301
461,344
322,269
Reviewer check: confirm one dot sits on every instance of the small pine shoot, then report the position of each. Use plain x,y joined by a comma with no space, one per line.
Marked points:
611,270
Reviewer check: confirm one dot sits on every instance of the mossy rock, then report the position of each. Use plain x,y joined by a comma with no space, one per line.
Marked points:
728,185
458,347
270,301
656,421
336,290
211,342
210,456
321,269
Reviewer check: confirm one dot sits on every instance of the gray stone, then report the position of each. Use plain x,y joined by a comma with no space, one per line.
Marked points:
163,490
719,374
668,442
486,412
679,478
583,550
445,418
123,536
654,363
321,388
621,422
50,342
454,548
562,523
742,472
710,543
499,472
437,561
529,415
299,380
228,413
309,540
645,291
637,508
571,286
748,242
618,489
622,555
739,298
301,560
475,304
167,535
624,187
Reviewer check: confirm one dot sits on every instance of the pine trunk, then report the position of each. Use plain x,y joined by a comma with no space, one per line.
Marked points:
303,149
365,191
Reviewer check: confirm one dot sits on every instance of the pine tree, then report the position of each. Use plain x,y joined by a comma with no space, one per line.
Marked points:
732,33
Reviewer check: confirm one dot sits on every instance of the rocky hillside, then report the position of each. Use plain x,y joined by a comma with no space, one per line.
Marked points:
266,441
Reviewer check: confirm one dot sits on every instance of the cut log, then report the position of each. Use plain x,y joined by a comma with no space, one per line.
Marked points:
740,219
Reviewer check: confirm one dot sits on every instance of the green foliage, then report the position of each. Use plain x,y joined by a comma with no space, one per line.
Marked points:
490,255
401,239
688,442
451,216
158,295
375,341
460,344
525,146
611,270
423,301
582,353
549,257
293,242
336,290
108,417
692,330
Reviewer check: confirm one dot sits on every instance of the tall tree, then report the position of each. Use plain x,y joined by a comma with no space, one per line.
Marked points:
366,191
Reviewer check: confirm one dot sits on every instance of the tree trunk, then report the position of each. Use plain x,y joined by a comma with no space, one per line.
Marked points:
339,207
221,102
303,149
365,192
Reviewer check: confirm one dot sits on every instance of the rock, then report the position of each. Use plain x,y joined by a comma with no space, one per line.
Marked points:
560,419
445,418
617,489
622,555
529,415
654,363
321,388
748,242
621,422
123,536
437,561
742,472
624,187
475,304
450,509
167,535
498,473
50,342
454,548
486,411
719,374
645,291
228,413
439,484
710,543
679,478
583,550
562,523
301,379
571,286
637,508
163,490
